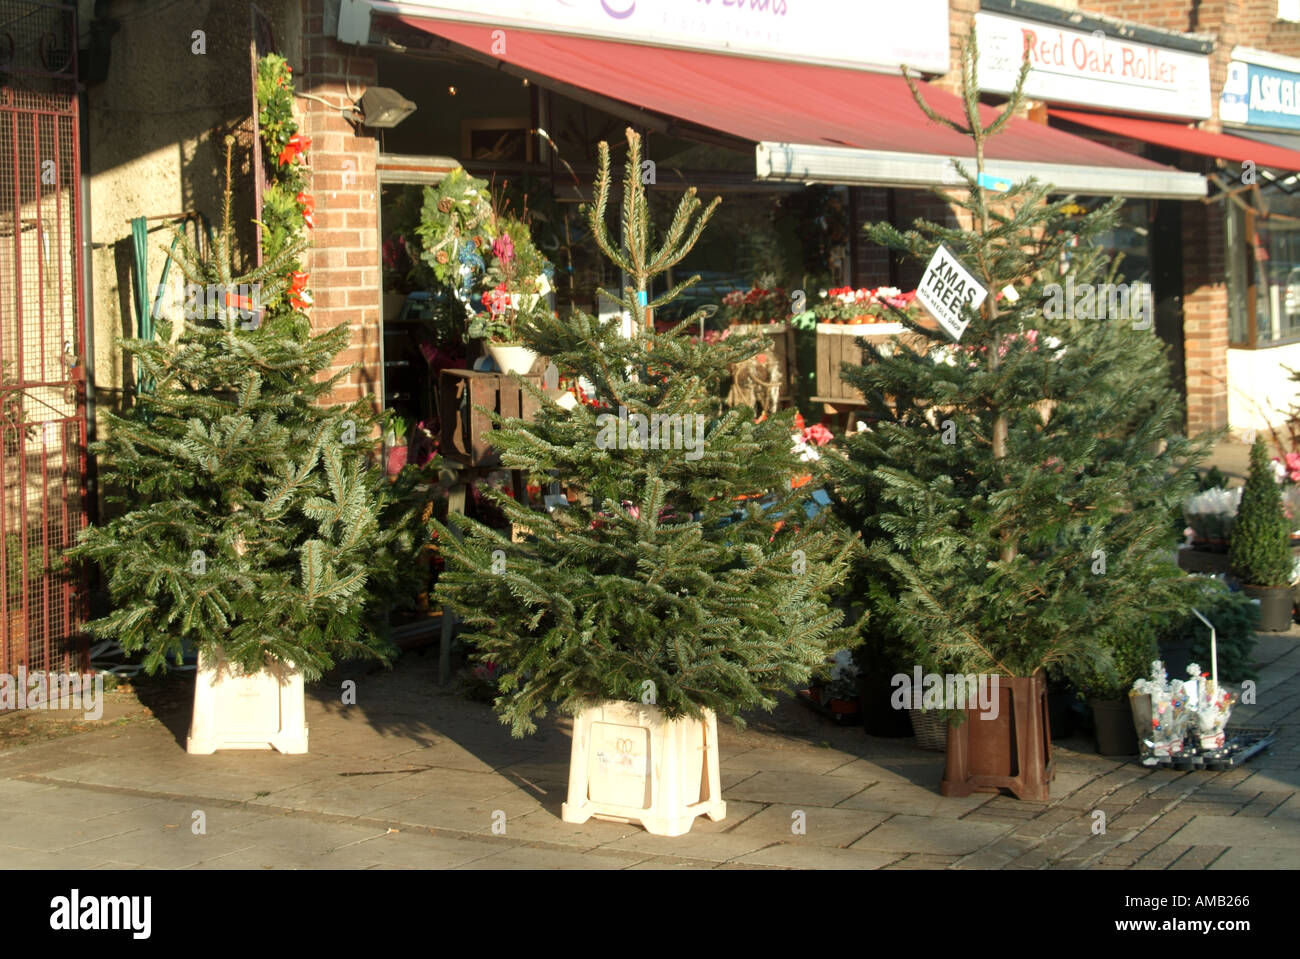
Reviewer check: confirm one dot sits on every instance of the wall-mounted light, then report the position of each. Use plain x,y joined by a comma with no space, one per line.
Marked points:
383,107
452,91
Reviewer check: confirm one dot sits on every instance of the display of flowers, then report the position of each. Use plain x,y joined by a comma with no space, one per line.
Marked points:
756,305
845,305
1210,514
1286,469
516,279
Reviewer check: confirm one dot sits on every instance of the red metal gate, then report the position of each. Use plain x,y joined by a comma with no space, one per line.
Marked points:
42,380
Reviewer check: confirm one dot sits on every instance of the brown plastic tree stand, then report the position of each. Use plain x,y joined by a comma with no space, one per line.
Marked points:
1012,752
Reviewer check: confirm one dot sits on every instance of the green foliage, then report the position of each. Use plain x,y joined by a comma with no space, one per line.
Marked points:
658,580
1260,550
250,521
1235,617
1004,471
281,212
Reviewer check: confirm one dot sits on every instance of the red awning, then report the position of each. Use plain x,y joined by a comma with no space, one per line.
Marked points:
768,101
1222,146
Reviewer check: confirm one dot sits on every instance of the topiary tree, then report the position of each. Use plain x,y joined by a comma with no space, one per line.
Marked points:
1260,550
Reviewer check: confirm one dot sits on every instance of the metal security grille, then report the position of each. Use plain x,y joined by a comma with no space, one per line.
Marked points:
42,379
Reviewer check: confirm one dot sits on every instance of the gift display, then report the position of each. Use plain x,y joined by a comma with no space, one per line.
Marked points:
1183,723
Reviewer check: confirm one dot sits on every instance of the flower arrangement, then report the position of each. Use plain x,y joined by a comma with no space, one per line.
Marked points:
455,228
1286,470
517,279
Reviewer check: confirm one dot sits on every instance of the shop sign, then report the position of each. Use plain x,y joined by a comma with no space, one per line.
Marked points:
1091,69
864,34
1255,95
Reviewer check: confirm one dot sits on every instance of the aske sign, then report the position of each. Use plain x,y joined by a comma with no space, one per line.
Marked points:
1094,56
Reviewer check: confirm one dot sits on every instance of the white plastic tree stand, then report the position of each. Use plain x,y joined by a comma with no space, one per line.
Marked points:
631,764
236,710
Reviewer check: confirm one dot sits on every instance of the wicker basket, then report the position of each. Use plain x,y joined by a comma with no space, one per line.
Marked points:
931,729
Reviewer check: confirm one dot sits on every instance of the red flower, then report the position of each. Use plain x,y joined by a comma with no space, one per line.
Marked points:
817,434
308,209
298,295
296,145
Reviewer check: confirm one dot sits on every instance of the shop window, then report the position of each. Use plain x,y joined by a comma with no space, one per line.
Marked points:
1263,271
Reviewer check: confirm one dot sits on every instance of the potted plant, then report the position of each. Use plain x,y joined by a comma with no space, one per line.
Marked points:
1106,687
664,593
1184,639
396,432
517,281
1260,552
1021,522
246,518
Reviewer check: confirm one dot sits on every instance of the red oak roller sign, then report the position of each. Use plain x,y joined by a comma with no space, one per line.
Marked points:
1075,66
946,288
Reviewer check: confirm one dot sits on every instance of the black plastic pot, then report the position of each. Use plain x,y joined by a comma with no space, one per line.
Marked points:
1059,699
879,717
1275,605
1112,721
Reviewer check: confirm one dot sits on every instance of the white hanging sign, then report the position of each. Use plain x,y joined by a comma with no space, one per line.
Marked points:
946,288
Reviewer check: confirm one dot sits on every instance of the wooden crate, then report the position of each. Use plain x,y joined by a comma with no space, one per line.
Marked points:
466,431
836,345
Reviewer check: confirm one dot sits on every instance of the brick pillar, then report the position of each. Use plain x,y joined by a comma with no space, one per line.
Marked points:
871,261
344,260
1205,316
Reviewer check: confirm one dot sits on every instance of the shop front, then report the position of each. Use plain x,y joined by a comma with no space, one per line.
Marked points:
804,134
1260,103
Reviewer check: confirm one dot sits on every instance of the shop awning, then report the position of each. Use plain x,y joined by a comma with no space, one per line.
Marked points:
812,123
1221,146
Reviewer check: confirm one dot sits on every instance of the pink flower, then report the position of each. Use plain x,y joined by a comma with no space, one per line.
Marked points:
817,434
1292,464
504,248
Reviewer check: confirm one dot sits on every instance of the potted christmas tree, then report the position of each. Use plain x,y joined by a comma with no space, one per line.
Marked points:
1019,477
1260,553
252,525
667,591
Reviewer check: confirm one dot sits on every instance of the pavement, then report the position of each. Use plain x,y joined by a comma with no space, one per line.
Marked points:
414,776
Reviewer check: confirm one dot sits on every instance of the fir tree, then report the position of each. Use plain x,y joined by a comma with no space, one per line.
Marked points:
250,519
1016,487
661,584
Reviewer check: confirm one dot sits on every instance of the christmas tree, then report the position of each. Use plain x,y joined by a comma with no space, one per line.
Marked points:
251,522
671,580
1017,484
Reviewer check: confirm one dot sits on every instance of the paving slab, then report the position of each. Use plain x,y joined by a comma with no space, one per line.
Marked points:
34,830
802,788
536,858
821,826
1237,831
720,847
164,848
891,797
921,834
811,760
1257,857
794,856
